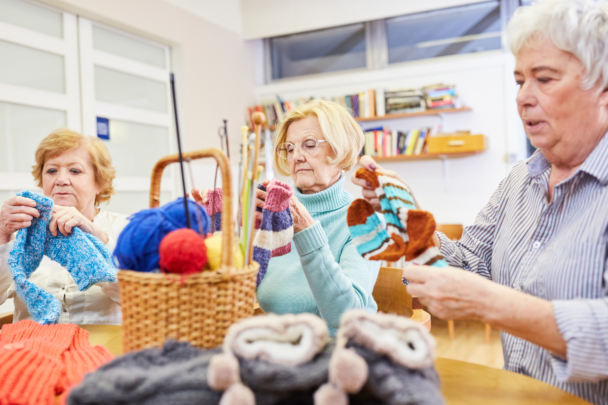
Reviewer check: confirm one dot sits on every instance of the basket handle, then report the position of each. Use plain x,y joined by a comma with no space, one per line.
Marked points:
227,221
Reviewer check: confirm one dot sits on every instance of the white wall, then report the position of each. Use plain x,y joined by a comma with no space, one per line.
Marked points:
225,13
267,18
213,65
484,81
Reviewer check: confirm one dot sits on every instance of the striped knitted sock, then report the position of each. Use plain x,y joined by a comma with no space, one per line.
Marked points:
276,228
415,227
214,208
370,235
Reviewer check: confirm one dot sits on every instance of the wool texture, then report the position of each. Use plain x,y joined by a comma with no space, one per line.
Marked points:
281,358
408,232
393,384
85,257
214,208
138,245
183,251
37,362
173,374
275,232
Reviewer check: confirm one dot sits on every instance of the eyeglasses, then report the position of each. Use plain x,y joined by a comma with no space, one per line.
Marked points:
308,147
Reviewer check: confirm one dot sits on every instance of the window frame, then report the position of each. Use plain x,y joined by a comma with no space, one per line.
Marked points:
377,47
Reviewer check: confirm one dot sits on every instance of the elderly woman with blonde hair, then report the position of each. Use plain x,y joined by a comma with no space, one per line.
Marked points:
76,172
315,143
535,262
324,275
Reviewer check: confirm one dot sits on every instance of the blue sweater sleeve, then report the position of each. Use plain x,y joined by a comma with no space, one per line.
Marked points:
337,286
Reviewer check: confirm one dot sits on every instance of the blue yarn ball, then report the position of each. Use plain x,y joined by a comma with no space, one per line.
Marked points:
137,245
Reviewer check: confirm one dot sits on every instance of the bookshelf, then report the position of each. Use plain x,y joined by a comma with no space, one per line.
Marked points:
437,112
427,156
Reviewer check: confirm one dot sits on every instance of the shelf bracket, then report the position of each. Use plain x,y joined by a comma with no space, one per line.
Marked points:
443,126
446,173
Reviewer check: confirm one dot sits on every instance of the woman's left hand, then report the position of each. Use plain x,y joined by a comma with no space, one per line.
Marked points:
451,293
64,219
300,215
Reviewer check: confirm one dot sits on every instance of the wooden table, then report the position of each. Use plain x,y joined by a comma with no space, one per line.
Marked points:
462,383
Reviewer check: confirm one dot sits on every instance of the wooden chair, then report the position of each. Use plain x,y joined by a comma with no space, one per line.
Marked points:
454,232
6,317
392,297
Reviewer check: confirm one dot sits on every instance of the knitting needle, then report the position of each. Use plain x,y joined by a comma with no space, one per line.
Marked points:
244,143
258,119
179,148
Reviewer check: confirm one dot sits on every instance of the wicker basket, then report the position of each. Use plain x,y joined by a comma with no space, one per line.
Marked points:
200,309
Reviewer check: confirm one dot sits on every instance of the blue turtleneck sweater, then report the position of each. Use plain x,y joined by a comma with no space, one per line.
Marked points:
323,274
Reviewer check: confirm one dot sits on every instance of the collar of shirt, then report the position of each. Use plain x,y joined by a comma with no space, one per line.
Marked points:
595,164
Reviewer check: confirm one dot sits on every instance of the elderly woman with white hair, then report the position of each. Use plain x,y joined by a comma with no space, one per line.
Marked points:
543,236
324,275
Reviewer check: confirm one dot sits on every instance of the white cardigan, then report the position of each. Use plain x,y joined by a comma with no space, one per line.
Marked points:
97,305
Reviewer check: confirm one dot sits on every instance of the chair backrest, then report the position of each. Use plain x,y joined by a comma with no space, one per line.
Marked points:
391,295
452,231
5,318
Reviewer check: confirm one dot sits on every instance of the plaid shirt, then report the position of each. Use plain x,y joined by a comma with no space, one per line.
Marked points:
553,250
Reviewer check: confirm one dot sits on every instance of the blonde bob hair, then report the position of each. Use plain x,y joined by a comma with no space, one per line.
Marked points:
340,130
64,140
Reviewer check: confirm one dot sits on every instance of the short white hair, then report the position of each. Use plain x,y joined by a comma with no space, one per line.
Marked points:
579,27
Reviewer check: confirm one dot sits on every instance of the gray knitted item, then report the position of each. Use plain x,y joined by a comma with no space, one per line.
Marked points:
275,383
394,384
173,374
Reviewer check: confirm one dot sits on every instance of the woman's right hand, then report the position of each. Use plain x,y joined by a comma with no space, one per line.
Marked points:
16,213
200,196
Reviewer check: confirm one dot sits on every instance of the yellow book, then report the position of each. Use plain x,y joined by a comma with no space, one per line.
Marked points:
412,144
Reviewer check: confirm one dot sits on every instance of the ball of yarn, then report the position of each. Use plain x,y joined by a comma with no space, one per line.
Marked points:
138,243
214,252
183,252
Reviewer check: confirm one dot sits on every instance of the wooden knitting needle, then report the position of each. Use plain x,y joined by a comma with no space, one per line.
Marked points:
258,119
239,225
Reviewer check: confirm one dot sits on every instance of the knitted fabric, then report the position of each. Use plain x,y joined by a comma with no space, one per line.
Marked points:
173,374
280,357
39,361
394,384
85,257
408,232
214,208
276,228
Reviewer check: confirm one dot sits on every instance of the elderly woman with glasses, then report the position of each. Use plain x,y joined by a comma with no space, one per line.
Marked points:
323,274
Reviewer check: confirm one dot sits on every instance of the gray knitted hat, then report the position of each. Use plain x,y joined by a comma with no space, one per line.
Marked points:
173,374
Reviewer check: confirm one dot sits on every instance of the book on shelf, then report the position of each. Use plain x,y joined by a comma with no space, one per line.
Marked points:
382,142
372,103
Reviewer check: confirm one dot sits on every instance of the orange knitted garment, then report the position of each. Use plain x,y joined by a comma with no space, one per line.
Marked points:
38,362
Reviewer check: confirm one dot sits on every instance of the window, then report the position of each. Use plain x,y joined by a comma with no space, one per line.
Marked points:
466,29
327,50
59,70
377,44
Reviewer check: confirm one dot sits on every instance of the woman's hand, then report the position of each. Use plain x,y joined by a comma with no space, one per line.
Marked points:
200,196
368,192
64,219
16,213
301,216
260,200
451,293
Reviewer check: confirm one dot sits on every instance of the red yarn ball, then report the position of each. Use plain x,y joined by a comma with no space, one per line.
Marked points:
182,251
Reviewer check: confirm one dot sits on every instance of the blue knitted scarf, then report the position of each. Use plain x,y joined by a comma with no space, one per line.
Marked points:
87,259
